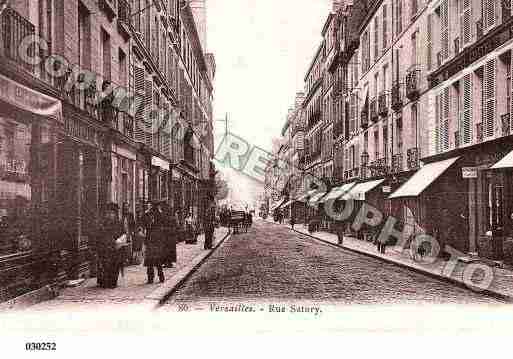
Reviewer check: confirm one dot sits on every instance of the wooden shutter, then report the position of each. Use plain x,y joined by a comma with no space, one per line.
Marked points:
436,141
444,29
511,93
443,115
466,123
489,14
376,38
148,106
156,121
489,102
399,18
139,90
385,28
465,22
429,42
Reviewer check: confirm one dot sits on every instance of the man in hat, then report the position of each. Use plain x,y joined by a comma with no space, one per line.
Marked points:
109,259
157,229
209,223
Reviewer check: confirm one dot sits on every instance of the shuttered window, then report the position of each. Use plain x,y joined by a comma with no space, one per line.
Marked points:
156,120
139,90
166,136
489,13
444,29
465,118
376,38
443,118
399,18
385,28
489,100
465,22
511,91
148,106
429,42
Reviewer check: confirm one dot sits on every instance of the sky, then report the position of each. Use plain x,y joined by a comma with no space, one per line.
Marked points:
263,49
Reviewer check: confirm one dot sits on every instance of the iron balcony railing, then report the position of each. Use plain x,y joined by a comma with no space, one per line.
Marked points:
397,97
413,82
397,163
413,155
15,31
373,109
383,104
506,124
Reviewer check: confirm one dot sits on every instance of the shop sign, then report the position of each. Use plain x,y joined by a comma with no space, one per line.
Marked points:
469,172
387,189
29,100
159,162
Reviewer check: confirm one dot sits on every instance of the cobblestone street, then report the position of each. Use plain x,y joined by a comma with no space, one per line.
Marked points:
273,263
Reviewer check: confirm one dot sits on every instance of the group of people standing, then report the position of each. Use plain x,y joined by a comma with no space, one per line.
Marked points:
156,231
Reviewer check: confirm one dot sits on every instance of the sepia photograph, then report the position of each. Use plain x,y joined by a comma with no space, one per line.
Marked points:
222,168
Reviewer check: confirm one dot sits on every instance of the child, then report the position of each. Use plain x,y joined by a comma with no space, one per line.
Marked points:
139,237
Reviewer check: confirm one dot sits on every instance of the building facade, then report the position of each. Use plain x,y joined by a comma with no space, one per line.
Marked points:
87,119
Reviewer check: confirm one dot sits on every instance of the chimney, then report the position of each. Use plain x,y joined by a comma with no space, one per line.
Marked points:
199,11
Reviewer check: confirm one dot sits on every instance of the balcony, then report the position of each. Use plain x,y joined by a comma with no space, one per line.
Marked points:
413,155
506,124
109,7
364,118
15,28
383,104
123,123
397,163
413,83
379,167
479,132
457,46
373,109
397,97
124,17
338,129
479,29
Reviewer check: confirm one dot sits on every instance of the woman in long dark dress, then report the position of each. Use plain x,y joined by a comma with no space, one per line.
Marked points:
109,258
156,233
171,237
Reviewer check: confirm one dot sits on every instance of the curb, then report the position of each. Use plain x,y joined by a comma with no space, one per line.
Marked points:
162,294
487,292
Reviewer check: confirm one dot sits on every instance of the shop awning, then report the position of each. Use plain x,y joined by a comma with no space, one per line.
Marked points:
315,199
423,178
306,195
278,205
338,192
506,162
29,100
358,192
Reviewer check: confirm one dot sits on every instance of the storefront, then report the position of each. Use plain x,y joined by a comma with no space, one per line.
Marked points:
462,200
159,179
30,128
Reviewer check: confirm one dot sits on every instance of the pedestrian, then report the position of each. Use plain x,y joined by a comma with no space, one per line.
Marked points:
171,237
156,231
190,231
209,224
129,226
110,260
292,220
139,238
339,230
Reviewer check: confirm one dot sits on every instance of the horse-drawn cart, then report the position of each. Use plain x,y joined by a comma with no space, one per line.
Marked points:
238,221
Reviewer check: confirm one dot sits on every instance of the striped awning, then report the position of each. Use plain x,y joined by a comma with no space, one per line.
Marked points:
506,162
337,192
315,199
358,192
423,178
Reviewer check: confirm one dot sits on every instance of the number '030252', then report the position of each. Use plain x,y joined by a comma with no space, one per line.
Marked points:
40,346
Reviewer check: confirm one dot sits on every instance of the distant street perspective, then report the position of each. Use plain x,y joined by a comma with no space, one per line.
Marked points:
273,263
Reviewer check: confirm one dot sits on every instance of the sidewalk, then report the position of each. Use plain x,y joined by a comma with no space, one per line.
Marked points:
132,287
501,286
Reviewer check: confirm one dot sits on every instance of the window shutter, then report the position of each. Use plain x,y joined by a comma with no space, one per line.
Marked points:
489,104
489,13
156,121
148,106
385,28
444,29
466,122
399,18
356,155
376,38
511,94
429,44
139,90
465,22
166,136
438,148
